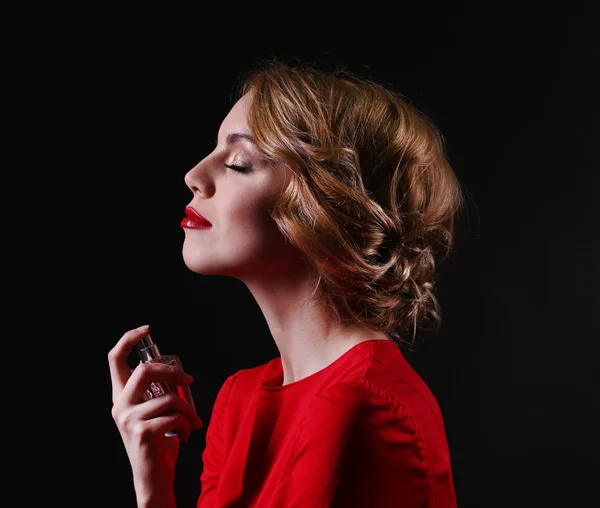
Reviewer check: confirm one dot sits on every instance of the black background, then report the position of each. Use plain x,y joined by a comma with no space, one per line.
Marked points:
109,106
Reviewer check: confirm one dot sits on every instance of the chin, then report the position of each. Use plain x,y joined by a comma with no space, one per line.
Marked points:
201,265
240,259
198,262
204,263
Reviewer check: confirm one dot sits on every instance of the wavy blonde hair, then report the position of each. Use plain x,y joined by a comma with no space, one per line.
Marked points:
372,201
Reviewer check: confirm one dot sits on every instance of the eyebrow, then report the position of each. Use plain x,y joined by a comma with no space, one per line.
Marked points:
237,136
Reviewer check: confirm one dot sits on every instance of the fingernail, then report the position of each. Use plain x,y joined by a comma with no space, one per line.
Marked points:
144,327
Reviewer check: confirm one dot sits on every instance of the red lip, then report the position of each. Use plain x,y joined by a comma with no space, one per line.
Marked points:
194,220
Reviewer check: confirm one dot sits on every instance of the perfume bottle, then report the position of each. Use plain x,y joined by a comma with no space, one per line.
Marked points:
149,353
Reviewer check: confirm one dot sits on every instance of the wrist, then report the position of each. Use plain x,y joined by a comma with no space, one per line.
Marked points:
157,496
163,500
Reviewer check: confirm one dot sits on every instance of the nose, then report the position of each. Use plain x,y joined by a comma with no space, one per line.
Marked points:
198,179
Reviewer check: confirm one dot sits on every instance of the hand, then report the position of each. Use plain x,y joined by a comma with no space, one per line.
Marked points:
142,424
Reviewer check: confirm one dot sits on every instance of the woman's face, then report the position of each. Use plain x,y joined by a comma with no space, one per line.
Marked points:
243,239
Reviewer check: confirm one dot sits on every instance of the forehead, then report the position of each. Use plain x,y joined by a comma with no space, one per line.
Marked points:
236,121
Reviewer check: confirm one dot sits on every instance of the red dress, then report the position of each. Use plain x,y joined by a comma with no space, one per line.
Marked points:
365,431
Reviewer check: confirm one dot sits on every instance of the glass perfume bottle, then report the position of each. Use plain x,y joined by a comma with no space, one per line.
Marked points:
149,353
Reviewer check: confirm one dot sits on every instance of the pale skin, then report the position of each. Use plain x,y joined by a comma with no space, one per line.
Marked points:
244,243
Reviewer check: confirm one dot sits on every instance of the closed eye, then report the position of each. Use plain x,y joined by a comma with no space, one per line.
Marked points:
239,169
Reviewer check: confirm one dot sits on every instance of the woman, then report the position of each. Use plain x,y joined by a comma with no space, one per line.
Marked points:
331,199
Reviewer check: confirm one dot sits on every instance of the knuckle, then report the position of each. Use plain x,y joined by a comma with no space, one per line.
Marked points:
140,431
125,420
121,420
112,354
144,369
172,398
166,368
169,401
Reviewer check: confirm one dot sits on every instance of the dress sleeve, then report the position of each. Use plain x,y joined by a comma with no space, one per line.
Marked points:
213,451
357,447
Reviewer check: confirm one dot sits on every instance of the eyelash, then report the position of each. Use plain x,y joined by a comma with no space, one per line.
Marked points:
238,169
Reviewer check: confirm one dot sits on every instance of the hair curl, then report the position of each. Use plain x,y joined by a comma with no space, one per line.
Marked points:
372,201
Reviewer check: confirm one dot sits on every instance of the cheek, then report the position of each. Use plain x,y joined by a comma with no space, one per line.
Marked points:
252,223
257,235
250,209
245,213
247,239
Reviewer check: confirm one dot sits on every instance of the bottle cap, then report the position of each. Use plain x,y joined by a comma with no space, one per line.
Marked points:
145,341
147,349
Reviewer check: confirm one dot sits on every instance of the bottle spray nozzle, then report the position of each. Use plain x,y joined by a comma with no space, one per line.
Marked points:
147,349
145,341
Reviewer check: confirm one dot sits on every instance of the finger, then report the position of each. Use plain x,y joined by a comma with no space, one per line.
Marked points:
146,373
167,422
117,359
168,403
